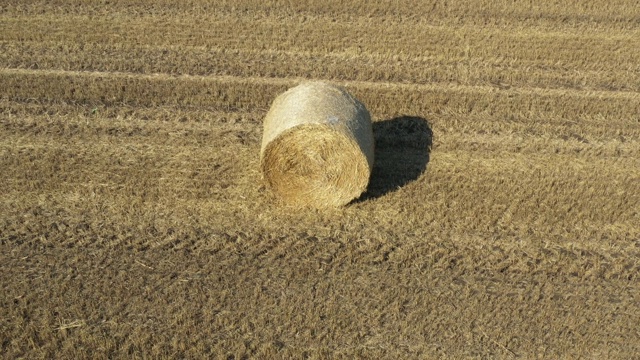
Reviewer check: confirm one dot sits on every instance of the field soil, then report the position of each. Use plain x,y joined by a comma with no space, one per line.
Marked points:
502,219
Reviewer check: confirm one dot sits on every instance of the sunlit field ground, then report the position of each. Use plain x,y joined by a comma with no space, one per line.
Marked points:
502,219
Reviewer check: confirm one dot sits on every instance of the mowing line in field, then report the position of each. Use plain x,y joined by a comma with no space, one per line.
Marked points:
359,84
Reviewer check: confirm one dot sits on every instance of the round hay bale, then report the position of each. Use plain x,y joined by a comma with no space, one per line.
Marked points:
317,146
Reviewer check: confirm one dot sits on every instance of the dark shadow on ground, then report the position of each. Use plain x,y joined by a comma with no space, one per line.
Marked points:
402,152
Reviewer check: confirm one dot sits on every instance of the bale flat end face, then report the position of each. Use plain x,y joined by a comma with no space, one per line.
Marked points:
317,146
312,165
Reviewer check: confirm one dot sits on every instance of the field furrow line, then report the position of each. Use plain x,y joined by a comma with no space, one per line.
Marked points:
382,98
572,16
280,81
326,35
173,127
350,65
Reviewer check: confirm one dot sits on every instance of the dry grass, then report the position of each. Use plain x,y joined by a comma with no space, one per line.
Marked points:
501,219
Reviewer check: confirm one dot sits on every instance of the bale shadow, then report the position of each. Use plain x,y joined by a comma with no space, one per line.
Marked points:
402,152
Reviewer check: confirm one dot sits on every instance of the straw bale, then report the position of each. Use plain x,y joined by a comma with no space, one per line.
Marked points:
317,146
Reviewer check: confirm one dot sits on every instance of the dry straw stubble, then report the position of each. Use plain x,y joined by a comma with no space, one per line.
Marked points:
317,146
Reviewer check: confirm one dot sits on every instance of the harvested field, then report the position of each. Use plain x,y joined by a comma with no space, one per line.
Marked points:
502,219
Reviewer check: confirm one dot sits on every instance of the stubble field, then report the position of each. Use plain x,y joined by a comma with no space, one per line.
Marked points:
502,218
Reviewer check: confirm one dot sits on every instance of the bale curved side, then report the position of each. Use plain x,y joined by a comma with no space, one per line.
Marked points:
317,146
